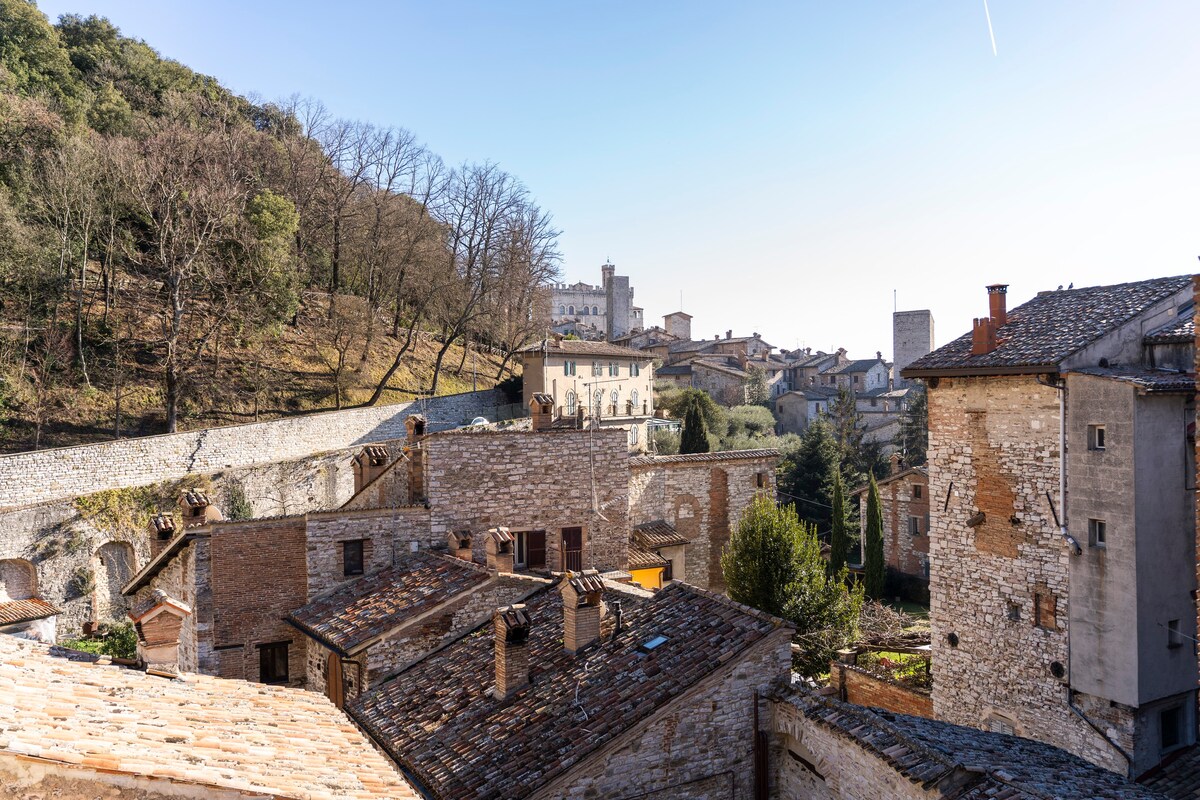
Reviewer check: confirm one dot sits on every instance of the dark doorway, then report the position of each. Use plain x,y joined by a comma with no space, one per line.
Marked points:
572,548
531,549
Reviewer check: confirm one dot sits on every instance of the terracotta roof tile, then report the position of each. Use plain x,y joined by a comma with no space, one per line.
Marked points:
644,559
1052,326
723,455
1181,330
13,612
213,732
440,720
582,347
1152,380
659,533
356,613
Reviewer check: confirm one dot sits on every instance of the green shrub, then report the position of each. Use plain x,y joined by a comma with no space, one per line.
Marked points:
118,639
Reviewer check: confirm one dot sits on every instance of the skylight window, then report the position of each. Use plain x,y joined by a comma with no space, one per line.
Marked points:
649,646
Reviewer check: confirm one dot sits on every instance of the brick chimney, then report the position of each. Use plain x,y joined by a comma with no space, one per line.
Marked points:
729,334
511,625
460,545
162,530
541,408
368,465
197,509
499,546
581,609
159,625
983,333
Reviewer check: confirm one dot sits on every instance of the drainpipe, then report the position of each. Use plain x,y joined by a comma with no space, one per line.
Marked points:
1061,386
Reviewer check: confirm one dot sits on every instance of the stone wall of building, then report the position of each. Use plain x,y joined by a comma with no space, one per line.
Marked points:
998,587
902,550
384,533
450,621
701,746
860,687
67,472
703,499
533,481
258,575
178,581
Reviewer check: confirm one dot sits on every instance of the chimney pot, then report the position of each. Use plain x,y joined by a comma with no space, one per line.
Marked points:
499,547
998,304
729,334
460,545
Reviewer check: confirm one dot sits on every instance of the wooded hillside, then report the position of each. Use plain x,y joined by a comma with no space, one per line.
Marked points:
173,255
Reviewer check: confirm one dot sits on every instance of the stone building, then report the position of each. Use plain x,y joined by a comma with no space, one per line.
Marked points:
796,409
1063,539
904,501
825,749
912,337
77,727
593,384
859,376
588,689
607,308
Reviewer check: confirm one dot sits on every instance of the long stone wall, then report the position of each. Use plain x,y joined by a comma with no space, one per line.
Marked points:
36,477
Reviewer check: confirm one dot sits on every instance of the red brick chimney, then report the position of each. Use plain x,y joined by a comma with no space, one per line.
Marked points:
581,609
511,625
998,303
983,334
162,529
368,465
460,545
197,509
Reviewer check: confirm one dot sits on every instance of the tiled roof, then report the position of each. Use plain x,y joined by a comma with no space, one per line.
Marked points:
205,731
720,455
439,719
860,365
658,533
675,369
644,559
380,602
1152,380
904,473
581,347
1178,777
13,612
1051,327
987,765
1182,329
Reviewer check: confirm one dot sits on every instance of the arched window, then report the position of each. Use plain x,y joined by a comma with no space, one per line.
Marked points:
633,398
597,402
570,309
571,403
616,398
633,435
585,311
562,310
595,310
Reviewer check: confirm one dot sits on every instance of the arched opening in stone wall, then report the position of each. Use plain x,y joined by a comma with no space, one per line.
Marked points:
112,566
18,579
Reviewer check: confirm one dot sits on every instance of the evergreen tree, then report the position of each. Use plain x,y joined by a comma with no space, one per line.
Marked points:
806,472
838,543
873,555
758,393
913,438
695,432
773,562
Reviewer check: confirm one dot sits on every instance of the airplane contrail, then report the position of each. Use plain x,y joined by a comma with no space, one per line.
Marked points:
987,14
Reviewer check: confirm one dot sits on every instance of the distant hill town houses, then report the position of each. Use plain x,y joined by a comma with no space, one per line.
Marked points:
595,312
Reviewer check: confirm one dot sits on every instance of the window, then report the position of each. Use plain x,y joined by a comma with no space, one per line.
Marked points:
568,368
1174,635
585,311
562,311
595,368
1170,726
652,644
635,369
352,558
1097,533
1045,607
616,398
999,723
595,310
633,435
614,370
761,481
1096,437
597,402
572,403
273,662
856,379
669,569
1014,612
531,549
633,398
914,526
917,492
570,309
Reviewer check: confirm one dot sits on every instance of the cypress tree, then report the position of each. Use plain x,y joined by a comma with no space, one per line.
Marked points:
873,555
695,432
837,536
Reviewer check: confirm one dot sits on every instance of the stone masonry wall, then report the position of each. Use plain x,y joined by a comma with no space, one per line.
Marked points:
703,500
701,748
383,532
524,480
71,471
901,550
178,580
1000,587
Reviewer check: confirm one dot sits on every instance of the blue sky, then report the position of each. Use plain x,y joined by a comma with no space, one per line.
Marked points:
787,165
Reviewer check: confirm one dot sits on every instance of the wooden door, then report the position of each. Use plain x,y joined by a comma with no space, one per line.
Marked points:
333,680
572,549
535,549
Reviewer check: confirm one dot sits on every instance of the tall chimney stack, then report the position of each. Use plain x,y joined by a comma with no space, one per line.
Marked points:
512,649
581,610
998,303
499,550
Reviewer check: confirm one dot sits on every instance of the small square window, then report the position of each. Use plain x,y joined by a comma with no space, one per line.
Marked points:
352,558
916,492
273,662
1014,612
1097,533
1174,635
1096,437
